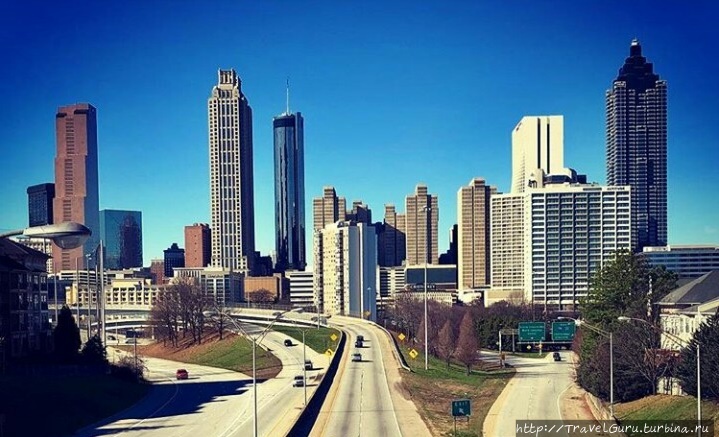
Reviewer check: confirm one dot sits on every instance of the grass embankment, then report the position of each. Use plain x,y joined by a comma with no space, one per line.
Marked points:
59,406
319,340
433,391
666,408
233,352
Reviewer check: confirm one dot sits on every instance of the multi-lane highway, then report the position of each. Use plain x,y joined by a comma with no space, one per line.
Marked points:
532,394
361,403
216,402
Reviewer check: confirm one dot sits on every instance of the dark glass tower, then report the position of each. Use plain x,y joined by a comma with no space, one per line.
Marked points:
39,204
289,191
121,233
174,257
637,145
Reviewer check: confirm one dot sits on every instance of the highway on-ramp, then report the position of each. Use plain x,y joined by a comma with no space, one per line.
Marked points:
215,402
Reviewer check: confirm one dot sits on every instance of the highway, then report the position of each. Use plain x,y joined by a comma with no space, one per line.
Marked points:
216,402
532,394
361,404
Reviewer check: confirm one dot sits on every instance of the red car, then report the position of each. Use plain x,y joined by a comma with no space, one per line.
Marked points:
182,374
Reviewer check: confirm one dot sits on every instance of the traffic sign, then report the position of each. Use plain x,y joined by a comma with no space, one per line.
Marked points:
329,352
563,331
413,353
401,336
531,331
333,337
461,407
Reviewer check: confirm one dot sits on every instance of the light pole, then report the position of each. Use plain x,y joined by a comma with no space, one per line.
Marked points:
610,335
681,343
255,339
67,235
428,210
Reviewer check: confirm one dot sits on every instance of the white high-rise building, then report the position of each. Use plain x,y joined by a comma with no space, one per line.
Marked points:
232,202
391,280
537,142
568,232
345,269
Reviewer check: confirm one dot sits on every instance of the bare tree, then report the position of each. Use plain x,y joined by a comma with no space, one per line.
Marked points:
467,345
261,296
446,344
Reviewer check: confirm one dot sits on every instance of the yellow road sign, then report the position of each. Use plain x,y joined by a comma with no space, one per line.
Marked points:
401,336
333,337
413,353
329,352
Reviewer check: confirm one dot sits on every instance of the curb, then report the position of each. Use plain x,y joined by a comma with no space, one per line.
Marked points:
395,351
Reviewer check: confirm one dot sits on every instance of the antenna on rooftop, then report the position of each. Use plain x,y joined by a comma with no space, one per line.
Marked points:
288,96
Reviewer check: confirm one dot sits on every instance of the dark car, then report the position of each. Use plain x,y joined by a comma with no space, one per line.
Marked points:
308,365
556,356
358,343
182,374
288,342
360,338
299,381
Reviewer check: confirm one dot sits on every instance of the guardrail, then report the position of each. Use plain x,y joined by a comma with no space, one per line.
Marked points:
396,350
304,424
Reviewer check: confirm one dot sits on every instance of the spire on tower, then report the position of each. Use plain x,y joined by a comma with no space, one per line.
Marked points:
288,96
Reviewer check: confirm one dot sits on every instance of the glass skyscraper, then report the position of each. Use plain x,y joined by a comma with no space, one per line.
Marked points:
39,204
289,191
121,233
637,144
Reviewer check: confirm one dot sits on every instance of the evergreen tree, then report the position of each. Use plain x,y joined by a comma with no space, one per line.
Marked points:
94,352
66,336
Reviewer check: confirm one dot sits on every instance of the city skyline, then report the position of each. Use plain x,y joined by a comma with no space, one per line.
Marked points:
443,145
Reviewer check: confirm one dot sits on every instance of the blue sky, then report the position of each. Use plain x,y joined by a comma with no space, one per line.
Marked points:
393,94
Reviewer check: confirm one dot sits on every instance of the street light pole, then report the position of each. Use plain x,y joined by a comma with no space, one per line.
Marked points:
304,365
254,383
427,209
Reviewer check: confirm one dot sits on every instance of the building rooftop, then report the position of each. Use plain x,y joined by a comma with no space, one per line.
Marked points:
696,292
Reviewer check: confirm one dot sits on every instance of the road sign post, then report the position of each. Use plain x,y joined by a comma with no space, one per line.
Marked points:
460,407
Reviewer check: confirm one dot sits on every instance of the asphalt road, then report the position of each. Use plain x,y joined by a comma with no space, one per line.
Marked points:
215,402
362,404
532,394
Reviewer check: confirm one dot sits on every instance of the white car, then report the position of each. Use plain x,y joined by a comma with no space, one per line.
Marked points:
299,381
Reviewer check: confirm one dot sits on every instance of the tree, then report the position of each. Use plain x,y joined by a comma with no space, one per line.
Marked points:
707,338
446,344
467,344
261,296
93,352
66,336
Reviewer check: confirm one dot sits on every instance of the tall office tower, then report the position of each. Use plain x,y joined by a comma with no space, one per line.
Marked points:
231,178
473,251
76,181
198,251
289,191
345,269
327,209
571,231
507,247
39,204
174,257
637,144
121,233
360,213
537,142
422,221
157,270
391,241
451,255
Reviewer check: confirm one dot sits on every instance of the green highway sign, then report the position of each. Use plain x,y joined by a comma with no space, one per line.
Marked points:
563,331
461,407
531,331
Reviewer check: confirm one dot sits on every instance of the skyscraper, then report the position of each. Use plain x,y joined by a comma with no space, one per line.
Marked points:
39,204
231,178
76,181
174,257
473,252
360,213
197,245
121,233
289,191
422,221
537,142
391,238
637,144
328,209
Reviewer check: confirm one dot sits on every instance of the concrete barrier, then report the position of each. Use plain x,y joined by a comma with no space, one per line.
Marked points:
304,424
396,350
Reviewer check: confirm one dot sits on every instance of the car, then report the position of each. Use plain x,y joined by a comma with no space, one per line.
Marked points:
358,343
360,338
182,374
556,356
288,342
299,381
357,357
132,340
308,365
